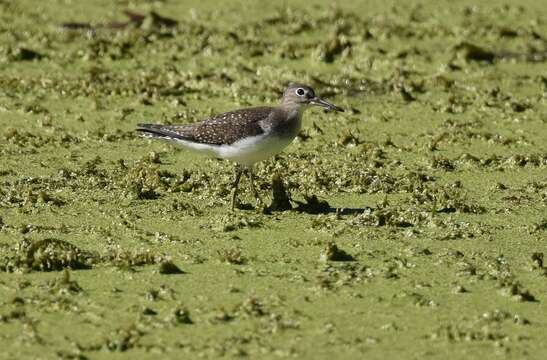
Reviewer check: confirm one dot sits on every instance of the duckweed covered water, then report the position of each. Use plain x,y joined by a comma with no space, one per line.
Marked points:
418,221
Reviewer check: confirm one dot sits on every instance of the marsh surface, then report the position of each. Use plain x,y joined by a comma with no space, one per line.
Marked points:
112,243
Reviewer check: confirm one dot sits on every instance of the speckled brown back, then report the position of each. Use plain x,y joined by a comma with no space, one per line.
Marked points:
222,129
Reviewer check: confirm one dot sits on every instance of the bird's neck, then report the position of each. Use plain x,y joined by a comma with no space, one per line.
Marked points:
295,114
294,110
289,120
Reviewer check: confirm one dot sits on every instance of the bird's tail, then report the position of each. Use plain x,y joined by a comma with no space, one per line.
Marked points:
150,130
157,131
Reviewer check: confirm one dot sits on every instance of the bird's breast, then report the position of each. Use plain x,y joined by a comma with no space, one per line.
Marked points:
289,125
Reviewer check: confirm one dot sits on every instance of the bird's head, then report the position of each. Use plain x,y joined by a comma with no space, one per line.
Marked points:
299,94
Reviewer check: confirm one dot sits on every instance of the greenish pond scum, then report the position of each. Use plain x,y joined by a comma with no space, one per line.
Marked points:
411,226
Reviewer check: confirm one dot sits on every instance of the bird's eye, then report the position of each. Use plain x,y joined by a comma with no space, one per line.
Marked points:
300,92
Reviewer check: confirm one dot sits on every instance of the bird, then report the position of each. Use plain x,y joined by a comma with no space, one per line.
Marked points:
244,136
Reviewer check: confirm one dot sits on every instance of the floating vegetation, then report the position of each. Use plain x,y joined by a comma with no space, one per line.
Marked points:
429,190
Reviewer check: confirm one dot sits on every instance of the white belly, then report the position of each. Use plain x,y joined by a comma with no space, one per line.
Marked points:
245,152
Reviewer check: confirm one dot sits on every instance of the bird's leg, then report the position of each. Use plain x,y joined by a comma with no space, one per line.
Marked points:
253,189
239,171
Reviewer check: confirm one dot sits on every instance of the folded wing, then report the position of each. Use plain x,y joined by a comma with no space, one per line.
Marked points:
223,129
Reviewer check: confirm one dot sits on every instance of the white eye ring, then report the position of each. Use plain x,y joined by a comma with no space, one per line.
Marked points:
300,92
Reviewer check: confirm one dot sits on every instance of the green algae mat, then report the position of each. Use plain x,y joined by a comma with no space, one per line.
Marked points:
411,226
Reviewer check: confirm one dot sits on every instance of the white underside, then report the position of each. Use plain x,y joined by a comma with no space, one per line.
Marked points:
245,152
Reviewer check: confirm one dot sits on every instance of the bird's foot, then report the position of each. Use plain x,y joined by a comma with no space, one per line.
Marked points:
234,202
259,202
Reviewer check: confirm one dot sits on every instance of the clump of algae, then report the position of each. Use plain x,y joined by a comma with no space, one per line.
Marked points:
233,222
65,285
179,315
48,255
514,290
127,259
332,252
145,179
52,254
280,200
168,267
232,256
332,48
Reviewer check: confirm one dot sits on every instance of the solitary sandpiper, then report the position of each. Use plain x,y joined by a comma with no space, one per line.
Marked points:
245,136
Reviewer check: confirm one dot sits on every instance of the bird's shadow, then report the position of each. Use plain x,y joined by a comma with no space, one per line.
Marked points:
348,211
333,210
324,211
315,206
